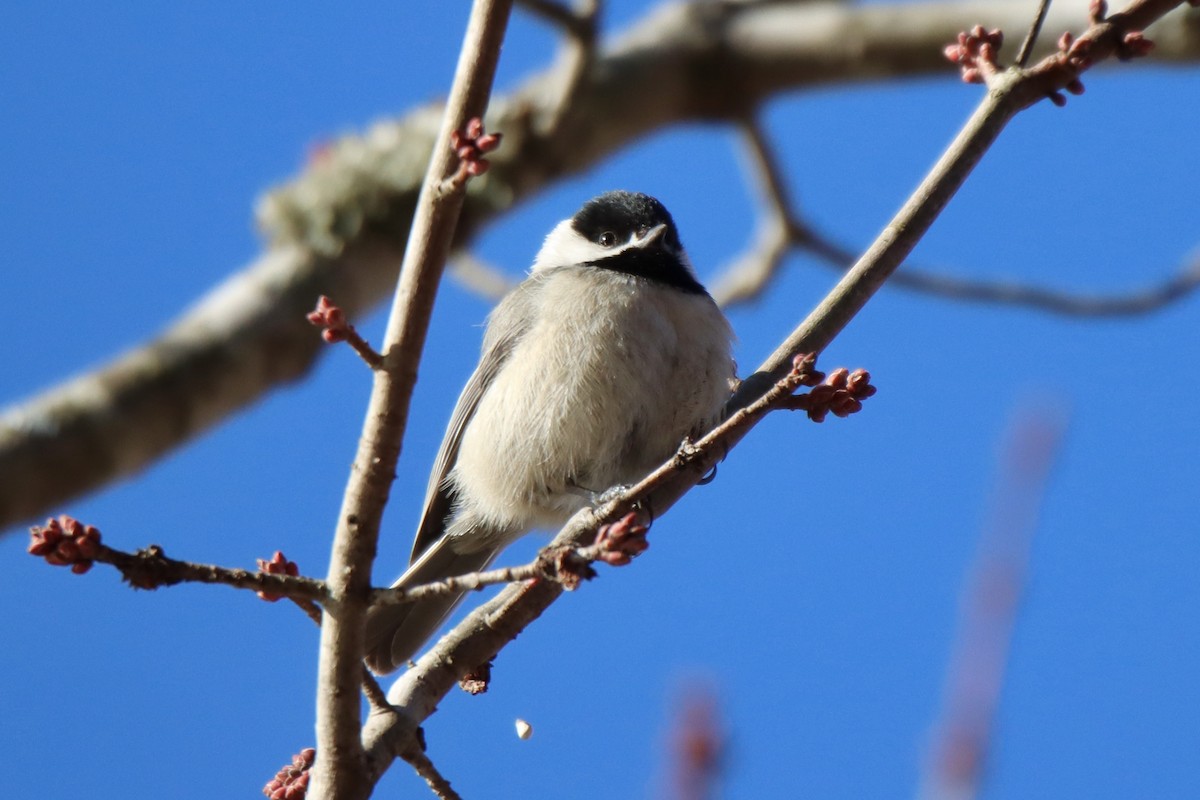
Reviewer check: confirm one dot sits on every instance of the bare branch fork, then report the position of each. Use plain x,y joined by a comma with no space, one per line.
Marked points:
783,229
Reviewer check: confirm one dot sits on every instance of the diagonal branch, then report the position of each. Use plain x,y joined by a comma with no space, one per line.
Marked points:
576,60
424,767
988,612
1026,49
578,25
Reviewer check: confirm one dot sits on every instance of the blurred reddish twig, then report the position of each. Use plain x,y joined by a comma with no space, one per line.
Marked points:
990,603
698,746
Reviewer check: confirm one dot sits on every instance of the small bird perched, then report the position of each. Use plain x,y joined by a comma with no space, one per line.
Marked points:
594,370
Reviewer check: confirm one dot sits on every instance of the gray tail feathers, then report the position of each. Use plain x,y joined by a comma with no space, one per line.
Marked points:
395,633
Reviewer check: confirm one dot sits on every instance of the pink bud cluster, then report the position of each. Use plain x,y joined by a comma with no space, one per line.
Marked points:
619,542
65,542
332,318
840,394
804,370
291,782
1075,54
975,52
472,144
278,565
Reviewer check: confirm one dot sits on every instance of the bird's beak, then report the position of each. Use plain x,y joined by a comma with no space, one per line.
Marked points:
653,237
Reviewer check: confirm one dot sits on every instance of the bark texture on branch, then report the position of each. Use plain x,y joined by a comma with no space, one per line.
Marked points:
340,228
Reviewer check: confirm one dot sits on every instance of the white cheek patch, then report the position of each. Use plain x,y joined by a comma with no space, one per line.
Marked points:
564,246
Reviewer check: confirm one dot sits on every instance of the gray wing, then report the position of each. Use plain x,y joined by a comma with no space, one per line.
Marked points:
507,323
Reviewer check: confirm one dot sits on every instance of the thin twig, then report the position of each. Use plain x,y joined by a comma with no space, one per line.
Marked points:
1070,304
749,275
340,771
427,770
370,687
769,175
1065,303
699,746
988,616
576,23
335,327
150,568
579,53
1026,49
361,346
473,581
310,609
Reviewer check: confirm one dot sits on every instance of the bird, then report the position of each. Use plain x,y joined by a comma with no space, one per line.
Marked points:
593,371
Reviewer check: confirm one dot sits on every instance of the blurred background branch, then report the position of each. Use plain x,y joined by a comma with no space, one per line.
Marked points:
340,227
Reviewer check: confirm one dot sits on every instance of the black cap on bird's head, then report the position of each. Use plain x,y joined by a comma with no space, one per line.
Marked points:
643,239
624,214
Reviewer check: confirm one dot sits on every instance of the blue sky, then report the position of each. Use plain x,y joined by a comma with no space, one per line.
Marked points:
814,587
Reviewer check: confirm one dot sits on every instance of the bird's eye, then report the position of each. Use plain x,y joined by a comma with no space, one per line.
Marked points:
607,239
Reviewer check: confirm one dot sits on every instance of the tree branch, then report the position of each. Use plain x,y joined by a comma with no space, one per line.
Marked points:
988,612
340,228
424,767
339,771
783,229
67,542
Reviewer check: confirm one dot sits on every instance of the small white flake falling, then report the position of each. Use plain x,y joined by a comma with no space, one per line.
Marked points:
524,729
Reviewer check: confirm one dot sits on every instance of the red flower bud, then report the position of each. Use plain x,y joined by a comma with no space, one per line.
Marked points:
87,547
67,550
838,378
